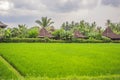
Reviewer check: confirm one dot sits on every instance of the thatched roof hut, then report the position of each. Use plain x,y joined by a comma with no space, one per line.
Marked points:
2,25
52,29
110,34
44,33
77,34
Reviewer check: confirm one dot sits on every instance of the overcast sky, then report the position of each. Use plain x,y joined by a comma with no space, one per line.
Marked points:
14,12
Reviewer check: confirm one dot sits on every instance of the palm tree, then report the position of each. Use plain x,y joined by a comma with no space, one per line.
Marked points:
66,26
108,23
22,29
45,22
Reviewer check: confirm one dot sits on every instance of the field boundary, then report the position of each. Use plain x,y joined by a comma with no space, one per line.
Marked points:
11,68
101,77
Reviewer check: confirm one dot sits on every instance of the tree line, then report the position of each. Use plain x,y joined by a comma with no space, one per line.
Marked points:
91,30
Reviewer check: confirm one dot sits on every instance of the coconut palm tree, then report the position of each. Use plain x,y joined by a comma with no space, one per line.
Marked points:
22,28
108,23
44,22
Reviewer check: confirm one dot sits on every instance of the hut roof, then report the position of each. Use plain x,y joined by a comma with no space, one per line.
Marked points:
52,29
77,34
44,33
2,25
109,33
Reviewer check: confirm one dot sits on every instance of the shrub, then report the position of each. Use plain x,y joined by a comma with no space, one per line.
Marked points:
116,41
66,35
22,40
33,32
95,35
47,40
57,34
62,34
106,39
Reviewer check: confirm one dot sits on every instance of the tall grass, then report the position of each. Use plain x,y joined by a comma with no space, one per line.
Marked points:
62,60
5,73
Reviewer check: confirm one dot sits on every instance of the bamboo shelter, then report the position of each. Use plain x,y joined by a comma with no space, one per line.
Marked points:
52,29
77,34
44,33
2,25
110,34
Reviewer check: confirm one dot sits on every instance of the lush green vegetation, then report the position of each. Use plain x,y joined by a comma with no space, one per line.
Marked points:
45,22
5,72
63,60
90,30
47,40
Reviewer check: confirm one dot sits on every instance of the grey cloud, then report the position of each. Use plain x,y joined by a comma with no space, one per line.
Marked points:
69,5
54,5
58,6
28,4
17,19
115,3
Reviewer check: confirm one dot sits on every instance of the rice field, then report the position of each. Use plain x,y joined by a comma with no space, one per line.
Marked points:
35,61
5,72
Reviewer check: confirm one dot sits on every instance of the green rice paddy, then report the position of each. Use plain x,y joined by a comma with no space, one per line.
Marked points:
36,60
5,72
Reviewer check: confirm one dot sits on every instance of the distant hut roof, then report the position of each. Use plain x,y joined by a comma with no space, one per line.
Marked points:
52,29
2,25
44,33
110,34
77,34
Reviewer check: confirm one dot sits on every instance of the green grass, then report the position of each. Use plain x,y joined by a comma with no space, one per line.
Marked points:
5,72
63,60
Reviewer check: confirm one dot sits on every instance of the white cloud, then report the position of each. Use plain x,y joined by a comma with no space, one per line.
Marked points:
27,11
69,5
5,5
115,3
102,13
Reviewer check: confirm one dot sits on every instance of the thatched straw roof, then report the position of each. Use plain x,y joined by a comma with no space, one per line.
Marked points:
77,34
110,34
52,29
2,25
44,33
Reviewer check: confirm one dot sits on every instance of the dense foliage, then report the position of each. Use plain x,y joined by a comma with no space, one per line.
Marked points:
114,26
6,73
90,30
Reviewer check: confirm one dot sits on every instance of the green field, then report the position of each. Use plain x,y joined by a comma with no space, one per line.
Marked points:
37,60
5,72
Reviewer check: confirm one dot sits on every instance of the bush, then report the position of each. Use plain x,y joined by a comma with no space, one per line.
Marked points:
116,41
66,35
47,40
95,35
57,34
33,32
62,34
106,39
21,40
31,40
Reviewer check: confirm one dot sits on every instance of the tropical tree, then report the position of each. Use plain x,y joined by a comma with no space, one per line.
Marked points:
66,35
62,34
15,32
67,27
44,22
1,32
33,32
22,29
7,33
99,29
114,26
57,33
108,22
